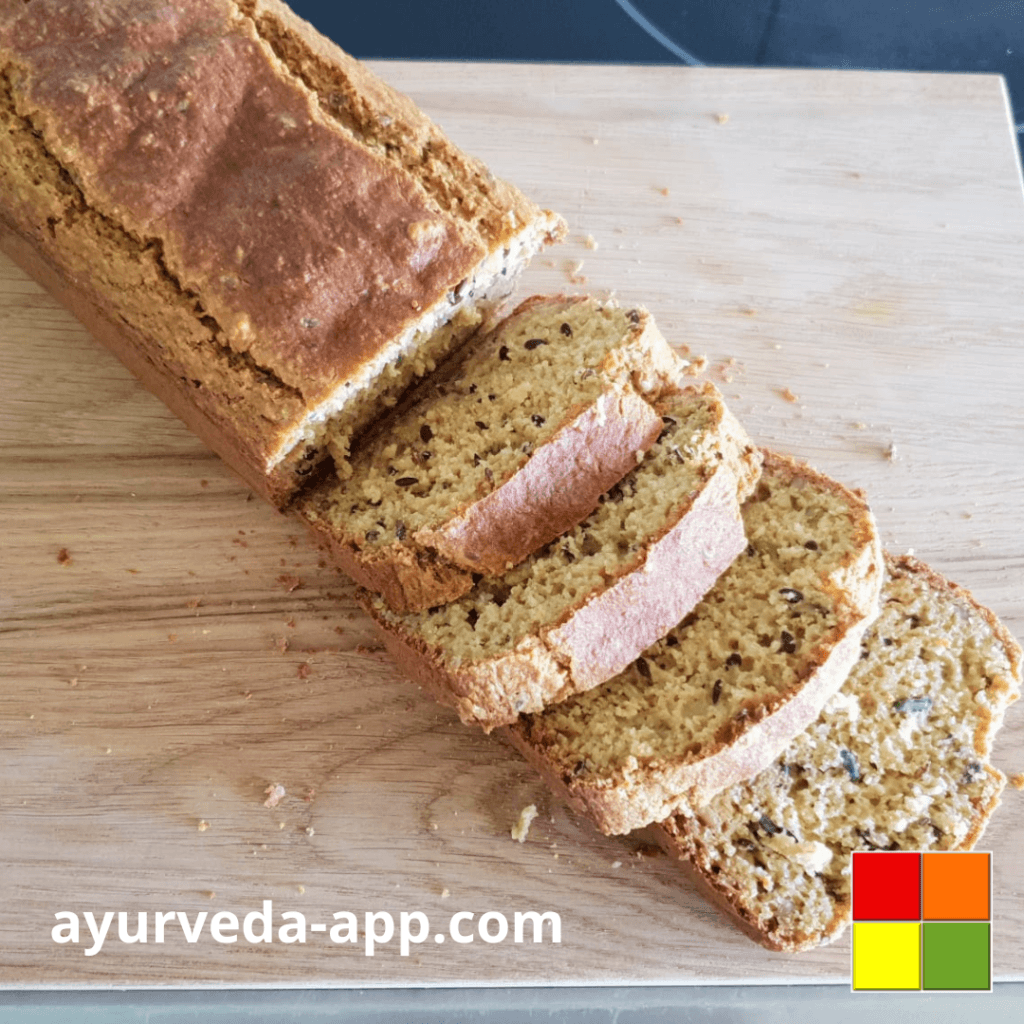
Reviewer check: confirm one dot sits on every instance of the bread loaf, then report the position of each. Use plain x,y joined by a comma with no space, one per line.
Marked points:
724,691
269,237
580,610
510,450
898,760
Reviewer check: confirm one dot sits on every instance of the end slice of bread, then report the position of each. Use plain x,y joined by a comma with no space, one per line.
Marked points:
580,610
898,760
716,699
512,448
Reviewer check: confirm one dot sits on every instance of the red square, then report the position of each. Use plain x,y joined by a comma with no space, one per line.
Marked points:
887,886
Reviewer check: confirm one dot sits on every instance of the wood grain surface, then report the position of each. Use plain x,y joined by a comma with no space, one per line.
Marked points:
849,240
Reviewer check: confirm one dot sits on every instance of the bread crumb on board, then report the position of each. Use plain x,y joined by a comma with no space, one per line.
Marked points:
722,118
572,270
203,825
695,367
274,793
788,395
1017,780
64,557
522,826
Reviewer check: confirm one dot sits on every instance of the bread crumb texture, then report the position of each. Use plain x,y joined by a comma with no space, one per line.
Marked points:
274,793
898,760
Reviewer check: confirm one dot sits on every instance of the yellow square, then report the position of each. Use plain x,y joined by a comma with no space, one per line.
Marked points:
886,955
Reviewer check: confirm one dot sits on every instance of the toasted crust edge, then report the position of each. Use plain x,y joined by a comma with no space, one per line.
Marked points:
252,447
135,352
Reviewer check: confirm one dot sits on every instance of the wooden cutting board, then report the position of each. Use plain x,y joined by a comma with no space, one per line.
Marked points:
853,237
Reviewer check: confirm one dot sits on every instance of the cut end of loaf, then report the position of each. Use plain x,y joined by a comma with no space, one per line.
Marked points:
269,305
332,422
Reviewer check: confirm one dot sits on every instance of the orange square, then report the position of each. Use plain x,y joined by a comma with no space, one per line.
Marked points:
956,886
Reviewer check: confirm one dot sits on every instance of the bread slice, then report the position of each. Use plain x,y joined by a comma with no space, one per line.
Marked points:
576,612
898,760
514,448
718,697
266,234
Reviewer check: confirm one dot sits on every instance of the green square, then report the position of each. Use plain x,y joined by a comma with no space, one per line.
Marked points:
957,955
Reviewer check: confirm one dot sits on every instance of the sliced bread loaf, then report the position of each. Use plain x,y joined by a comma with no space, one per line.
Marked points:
751,666
576,612
512,449
896,761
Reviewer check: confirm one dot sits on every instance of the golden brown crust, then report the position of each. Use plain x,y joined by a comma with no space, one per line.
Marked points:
601,633
322,204
135,352
555,490
170,142
408,578
633,797
351,94
593,449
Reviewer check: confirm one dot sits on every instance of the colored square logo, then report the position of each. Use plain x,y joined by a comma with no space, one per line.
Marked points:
886,955
922,921
956,887
886,886
957,955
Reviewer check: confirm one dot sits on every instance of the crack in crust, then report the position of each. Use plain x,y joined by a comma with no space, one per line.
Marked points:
79,208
